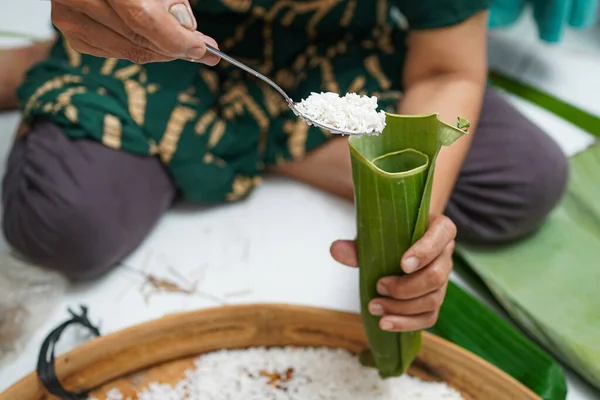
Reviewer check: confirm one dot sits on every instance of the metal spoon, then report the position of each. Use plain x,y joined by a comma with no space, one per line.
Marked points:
289,100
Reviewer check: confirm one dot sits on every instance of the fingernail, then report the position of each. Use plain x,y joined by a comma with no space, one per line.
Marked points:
196,53
410,264
183,15
382,289
376,309
387,326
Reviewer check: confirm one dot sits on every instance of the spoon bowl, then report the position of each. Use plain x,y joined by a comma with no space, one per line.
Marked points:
275,86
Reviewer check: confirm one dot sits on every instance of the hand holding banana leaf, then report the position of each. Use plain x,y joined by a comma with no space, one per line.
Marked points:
411,302
403,253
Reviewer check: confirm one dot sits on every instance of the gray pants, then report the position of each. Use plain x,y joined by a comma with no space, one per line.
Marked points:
79,207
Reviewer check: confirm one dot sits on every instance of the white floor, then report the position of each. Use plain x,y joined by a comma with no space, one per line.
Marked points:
274,246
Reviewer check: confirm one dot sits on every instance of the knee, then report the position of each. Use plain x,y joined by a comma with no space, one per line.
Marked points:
60,237
53,225
520,206
548,179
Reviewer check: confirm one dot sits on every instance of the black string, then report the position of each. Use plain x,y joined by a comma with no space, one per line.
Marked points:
46,369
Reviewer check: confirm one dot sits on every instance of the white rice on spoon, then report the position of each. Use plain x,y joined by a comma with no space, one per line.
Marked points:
352,112
290,373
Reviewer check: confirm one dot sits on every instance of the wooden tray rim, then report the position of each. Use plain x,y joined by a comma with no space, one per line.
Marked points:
175,319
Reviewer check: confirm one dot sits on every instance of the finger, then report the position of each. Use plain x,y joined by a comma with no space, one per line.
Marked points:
86,48
422,282
396,323
421,305
87,30
344,252
441,231
101,12
152,20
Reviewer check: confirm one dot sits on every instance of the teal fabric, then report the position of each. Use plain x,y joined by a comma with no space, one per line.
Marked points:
551,16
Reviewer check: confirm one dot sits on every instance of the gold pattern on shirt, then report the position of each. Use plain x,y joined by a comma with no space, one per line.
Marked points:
127,72
204,122
238,5
267,67
382,31
229,113
64,98
240,31
297,130
180,116
143,77
374,68
71,113
328,80
112,133
286,79
216,133
291,9
188,97
357,84
210,158
240,187
48,86
73,55
300,62
210,78
239,93
319,8
274,103
348,13
136,100
108,66
63,102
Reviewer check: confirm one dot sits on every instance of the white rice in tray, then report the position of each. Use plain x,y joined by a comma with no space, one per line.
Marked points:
290,373
352,112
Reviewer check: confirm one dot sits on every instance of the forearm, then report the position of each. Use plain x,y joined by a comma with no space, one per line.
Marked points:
450,95
14,63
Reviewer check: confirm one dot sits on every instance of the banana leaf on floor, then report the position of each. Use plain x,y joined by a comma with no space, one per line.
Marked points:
549,283
473,326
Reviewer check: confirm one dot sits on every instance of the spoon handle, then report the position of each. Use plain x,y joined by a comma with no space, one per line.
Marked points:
246,68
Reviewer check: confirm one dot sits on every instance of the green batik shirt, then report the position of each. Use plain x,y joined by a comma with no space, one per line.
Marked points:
215,129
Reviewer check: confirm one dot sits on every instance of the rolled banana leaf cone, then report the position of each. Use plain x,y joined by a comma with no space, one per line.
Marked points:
393,176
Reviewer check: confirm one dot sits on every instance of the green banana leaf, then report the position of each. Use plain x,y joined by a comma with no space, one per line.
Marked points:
548,283
20,35
470,324
575,115
393,175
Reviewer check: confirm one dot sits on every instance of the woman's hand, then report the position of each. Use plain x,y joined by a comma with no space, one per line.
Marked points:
141,31
411,302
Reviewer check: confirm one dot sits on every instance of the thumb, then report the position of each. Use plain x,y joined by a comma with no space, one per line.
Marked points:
182,11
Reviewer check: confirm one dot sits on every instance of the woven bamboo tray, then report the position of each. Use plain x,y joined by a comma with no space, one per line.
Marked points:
163,349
